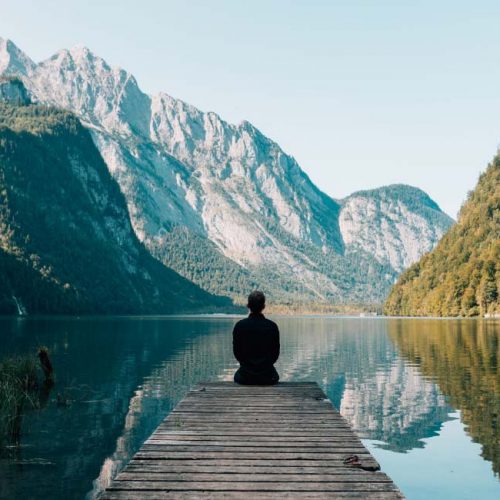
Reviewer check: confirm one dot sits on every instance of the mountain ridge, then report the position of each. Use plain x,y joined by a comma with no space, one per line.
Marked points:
231,186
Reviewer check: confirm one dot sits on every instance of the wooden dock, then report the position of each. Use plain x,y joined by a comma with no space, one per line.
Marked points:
229,441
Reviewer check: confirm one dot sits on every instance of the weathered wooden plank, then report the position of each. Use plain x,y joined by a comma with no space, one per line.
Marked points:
251,425
284,397
280,389
259,450
271,406
241,454
272,410
227,441
257,438
250,393
259,389
257,409
245,477
181,441
255,421
255,435
250,486
210,384
239,495
196,495
253,390
318,430
276,418
339,435
156,467
292,395
312,416
261,400
249,462
313,405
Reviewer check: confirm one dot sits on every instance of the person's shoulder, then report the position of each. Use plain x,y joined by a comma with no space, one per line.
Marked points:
241,322
271,322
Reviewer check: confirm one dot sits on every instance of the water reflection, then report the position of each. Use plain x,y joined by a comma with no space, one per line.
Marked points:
201,359
462,357
106,367
381,395
126,374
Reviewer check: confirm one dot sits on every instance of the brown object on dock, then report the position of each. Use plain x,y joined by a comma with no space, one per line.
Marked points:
229,441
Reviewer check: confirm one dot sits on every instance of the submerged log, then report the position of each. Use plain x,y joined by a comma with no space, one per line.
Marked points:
46,364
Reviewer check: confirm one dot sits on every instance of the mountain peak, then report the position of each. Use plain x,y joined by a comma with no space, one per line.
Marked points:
13,60
236,190
81,56
402,192
390,188
82,49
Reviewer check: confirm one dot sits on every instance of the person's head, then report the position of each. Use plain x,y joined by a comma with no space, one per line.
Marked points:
256,301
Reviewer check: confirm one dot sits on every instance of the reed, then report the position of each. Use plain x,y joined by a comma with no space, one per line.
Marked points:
20,387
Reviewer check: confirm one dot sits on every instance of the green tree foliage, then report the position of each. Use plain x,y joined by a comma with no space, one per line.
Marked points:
197,259
358,277
66,243
461,276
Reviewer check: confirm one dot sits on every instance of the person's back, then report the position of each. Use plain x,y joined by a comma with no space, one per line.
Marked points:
256,345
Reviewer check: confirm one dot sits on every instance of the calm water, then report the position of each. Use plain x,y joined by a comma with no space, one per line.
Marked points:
423,394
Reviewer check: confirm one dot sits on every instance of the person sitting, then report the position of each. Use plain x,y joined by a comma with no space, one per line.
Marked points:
256,345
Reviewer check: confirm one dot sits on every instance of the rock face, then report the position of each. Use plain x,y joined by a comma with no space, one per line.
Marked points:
200,190
395,224
13,91
13,61
461,276
66,242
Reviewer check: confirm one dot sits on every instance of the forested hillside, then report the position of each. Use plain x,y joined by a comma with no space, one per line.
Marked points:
461,276
66,242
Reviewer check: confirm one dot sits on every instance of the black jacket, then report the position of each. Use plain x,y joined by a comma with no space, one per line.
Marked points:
256,343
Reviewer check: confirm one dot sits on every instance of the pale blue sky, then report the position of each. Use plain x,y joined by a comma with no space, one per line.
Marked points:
361,93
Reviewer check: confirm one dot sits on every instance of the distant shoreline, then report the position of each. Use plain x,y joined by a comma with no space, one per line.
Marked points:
219,315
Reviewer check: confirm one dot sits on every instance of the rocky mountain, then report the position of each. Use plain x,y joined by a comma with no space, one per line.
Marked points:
461,276
224,205
66,242
395,224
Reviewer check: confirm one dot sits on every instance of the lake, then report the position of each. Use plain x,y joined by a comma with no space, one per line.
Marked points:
423,394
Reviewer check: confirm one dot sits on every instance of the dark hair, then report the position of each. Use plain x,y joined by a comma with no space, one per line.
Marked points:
256,301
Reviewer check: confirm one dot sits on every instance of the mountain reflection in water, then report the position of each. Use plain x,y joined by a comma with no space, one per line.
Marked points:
125,374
